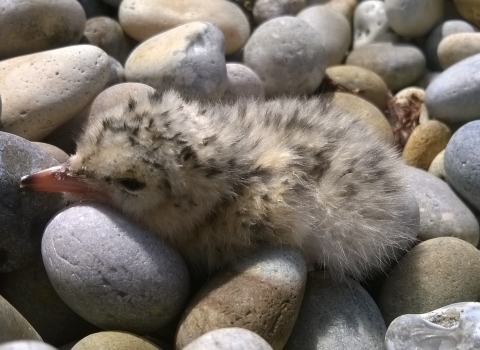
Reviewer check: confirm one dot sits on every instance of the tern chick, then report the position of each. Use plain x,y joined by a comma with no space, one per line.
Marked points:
218,180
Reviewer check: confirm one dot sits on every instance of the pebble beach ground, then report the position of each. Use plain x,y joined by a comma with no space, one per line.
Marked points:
83,277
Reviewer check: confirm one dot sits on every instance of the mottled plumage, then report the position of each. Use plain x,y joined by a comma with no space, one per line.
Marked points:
217,180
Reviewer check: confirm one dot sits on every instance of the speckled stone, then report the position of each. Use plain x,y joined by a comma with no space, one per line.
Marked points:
115,340
437,166
113,273
457,47
469,9
288,56
32,26
337,316
42,91
26,345
189,58
263,294
13,326
142,19
435,273
442,213
462,162
263,10
23,213
242,82
232,338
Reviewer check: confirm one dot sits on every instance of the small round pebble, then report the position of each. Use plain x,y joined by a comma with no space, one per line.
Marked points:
437,166
326,21
111,272
243,82
469,9
32,26
263,10
232,338
413,18
457,47
288,56
336,316
398,65
462,162
26,345
442,213
263,294
13,325
435,273
453,96
142,19
189,58
114,340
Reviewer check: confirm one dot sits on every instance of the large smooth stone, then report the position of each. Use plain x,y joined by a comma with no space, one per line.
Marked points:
435,273
189,58
451,327
31,26
442,213
26,345
12,324
232,338
288,56
462,162
113,273
42,91
114,340
263,294
23,213
453,96
457,47
336,316
142,19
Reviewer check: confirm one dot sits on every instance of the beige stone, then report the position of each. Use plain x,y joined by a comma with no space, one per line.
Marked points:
142,19
469,9
456,47
12,324
437,166
59,155
345,7
114,340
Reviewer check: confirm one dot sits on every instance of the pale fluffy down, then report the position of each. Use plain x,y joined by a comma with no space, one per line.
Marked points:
218,180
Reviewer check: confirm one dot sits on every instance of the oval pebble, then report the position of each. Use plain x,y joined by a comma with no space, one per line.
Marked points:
111,272
462,162
263,10
326,21
469,9
13,325
114,340
453,96
43,90
413,18
142,19
189,58
336,316
399,64
242,82
457,47
262,294
435,273
437,167
32,26
288,56
442,213
26,345
232,338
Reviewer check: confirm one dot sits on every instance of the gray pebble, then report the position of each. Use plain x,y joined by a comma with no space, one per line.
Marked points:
263,10
288,56
26,345
117,73
13,326
111,272
462,162
232,338
242,82
336,316
23,213
453,96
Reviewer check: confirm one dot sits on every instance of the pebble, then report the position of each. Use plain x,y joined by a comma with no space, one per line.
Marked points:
189,58
117,73
43,90
413,18
13,325
345,7
453,326
336,316
111,272
263,10
267,290
370,24
453,96
457,47
433,274
242,82
142,19
26,345
23,214
426,141
288,56
469,9
114,340
362,82
326,21
59,155
437,167
32,26
399,65
232,338
442,213
440,32
462,162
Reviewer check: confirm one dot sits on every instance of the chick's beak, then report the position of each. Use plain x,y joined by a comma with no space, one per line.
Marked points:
55,179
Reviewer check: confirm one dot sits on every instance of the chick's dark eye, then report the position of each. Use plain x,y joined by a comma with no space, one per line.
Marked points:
131,184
